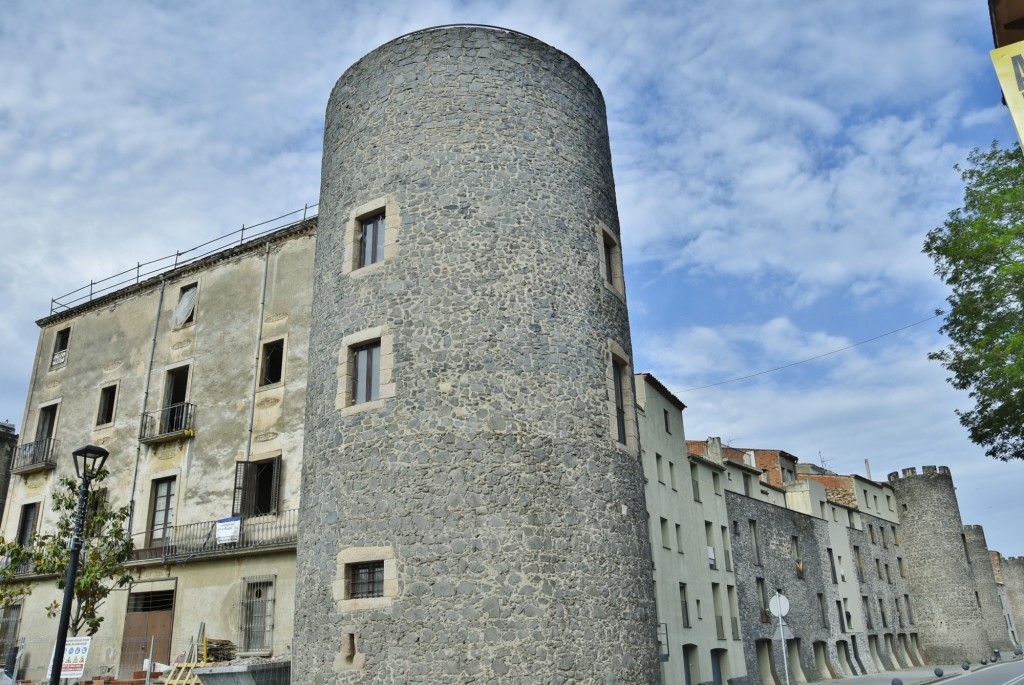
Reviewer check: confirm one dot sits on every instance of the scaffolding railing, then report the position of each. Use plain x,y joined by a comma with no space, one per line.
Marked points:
144,270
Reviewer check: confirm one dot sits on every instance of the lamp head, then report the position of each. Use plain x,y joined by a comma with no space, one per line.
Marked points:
89,461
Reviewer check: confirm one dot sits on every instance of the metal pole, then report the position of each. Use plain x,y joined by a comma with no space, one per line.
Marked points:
782,635
75,545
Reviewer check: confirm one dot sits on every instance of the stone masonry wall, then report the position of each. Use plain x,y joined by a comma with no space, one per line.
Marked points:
883,638
950,622
1013,581
988,592
775,528
488,477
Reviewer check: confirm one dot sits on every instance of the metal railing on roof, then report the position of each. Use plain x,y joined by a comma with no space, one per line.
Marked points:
144,270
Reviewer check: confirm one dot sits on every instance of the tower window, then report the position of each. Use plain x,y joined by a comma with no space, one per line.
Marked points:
371,240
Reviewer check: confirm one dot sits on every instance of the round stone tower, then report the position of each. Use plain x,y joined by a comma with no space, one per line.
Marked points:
947,614
988,591
473,503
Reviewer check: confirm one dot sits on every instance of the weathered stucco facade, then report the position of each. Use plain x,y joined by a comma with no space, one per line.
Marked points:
180,394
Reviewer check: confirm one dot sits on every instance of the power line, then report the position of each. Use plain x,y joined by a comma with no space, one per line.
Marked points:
819,356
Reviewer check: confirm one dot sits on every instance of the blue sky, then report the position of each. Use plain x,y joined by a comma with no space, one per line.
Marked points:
777,167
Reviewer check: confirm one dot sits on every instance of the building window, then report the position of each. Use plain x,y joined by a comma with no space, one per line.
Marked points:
822,610
832,565
672,474
903,570
185,311
684,605
272,362
695,482
256,614
611,260
371,240
660,468
885,538
755,547
709,537
27,524
716,483
871,531
10,621
366,372
668,427
895,536
762,597
60,347
105,415
679,538
257,487
366,580
47,424
175,416
619,380
794,547
746,484
161,518
878,568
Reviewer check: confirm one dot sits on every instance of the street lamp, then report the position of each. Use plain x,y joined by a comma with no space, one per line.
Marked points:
89,461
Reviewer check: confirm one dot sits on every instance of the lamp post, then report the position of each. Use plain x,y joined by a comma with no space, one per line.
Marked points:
89,461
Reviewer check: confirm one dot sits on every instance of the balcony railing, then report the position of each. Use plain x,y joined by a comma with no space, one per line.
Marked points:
178,543
35,456
174,421
720,626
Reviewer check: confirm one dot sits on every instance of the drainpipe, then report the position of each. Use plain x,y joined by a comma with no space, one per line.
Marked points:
259,338
145,401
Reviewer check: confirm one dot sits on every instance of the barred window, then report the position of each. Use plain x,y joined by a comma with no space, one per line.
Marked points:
366,580
256,614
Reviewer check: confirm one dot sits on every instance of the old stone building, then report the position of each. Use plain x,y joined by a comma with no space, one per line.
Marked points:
194,380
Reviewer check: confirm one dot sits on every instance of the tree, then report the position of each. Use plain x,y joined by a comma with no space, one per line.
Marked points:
979,253
107,548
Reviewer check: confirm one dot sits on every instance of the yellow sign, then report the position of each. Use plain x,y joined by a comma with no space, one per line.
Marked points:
1009,63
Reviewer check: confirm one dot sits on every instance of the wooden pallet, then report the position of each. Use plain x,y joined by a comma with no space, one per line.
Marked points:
183,674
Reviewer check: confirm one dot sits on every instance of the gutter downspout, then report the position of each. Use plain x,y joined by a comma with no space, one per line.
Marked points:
145,401
259,338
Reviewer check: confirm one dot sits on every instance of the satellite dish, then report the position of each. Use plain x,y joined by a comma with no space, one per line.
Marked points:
779,605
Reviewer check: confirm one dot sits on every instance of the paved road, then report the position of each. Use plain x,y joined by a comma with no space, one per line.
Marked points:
1003,673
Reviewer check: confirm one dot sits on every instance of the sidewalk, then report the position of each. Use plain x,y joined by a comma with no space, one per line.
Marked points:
909,676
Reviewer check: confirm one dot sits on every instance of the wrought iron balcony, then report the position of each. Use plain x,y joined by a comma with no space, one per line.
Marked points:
191,540
169,423
40,455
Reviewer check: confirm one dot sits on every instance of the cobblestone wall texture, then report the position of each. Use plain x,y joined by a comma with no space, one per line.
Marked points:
516,521
892,590
988,592
775,528
1013,581
950,623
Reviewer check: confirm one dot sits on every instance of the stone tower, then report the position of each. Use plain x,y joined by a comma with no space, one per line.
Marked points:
472,503
988,591
946,607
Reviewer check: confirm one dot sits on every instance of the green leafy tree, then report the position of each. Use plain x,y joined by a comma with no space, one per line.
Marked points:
979,253
13,557
107,548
